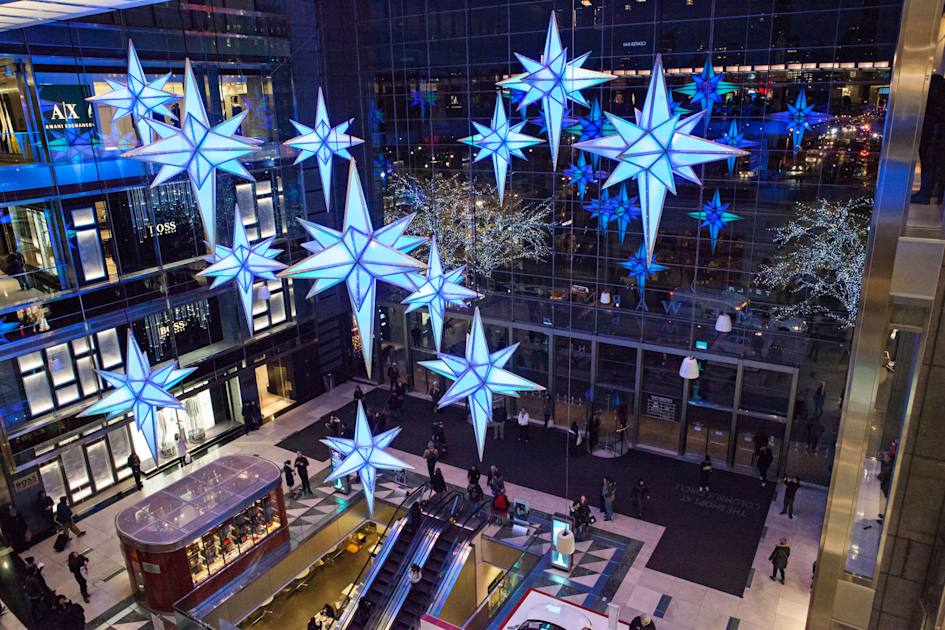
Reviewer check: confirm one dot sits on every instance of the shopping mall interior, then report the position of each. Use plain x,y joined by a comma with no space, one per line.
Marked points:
485,314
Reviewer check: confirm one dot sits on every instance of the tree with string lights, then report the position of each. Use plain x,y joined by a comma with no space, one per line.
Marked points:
470,225
820,259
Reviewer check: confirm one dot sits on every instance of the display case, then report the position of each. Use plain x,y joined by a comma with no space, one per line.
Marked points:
203,530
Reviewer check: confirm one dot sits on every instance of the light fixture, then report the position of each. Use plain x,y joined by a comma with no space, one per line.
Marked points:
723,323
564,543
263,292
689,368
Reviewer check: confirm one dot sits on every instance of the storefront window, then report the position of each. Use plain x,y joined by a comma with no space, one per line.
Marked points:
661,401
17,144
276,389
253,95
572,384
766,391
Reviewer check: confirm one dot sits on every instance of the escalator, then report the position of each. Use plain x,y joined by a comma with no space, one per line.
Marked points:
420,594
386,577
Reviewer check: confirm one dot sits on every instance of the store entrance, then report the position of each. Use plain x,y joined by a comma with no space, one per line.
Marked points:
276,388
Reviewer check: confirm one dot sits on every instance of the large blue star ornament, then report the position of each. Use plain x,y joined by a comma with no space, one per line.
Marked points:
243,263
323,141
359,256
436,290
582,175
478,376
735,138
800,117
655,149
140,390
707,88
198,149
620,209
554,81
139,98
501,142
364,455
714,215
641,267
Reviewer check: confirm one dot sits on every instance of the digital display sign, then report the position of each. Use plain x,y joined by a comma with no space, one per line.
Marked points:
559,523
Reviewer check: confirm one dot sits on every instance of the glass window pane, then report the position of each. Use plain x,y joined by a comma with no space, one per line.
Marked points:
38,396
90,254
661,401
765,391
53,483
121,449
101,465
73,462
60,364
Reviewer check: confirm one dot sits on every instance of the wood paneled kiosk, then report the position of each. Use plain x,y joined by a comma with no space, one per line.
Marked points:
202,531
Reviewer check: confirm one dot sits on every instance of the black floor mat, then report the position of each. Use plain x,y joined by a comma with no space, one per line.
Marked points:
708,540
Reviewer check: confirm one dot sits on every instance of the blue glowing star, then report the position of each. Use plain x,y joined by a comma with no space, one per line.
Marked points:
6,327
592,125
655,149
515,97
72,144
244,264
424,97
540,121
199,149
554,81
139,98
359,256
501,142
375,115
364,455
323,141
436,290
641,267
707,88
582,174
714,216
735,138
478,376
620,209
800,117
140,390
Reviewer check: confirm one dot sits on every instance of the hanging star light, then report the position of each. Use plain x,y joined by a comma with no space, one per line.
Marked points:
501,141
582,174
655,149
515,97
735,138
423,97
6,327
364,455
641,267
621,209
323,141
140,390
478,376
138,98
714,215
592,125
244,264
707,89
199,149
800,117
554,81
436,290
359,256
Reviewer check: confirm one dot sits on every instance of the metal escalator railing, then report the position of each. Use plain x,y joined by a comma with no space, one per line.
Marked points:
384,619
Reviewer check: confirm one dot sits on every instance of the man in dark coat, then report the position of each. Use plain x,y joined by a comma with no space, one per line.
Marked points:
791,484
642,622
765,457
779,559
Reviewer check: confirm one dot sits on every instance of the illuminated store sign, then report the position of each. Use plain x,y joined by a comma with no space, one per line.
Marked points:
64,107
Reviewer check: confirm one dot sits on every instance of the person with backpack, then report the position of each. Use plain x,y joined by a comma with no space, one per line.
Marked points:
78,566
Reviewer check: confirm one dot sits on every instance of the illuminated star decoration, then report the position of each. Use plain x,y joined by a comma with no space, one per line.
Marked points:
582,174
554,81
735,138
364,455
142,391
138,98
707,89
477,377
590,126
244,264
655,149
436,290
800,117
714,215
359,256
199,149
641,267
620,209
6,327
72,145
515,97
501,141
323,141
540,121
424,97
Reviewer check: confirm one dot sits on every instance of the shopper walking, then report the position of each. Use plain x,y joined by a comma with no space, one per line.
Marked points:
358,394
609,494
301,467
581,513
523,422
289,476
45,508
432,456
181,448
548,409
499,416
134,463
639,496
791,485
66,518
78,565
779,559
473,475
437,482
765,457
760,439
705,474
393,375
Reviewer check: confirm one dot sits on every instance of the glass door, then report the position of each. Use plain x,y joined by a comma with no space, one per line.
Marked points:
100,463
661,401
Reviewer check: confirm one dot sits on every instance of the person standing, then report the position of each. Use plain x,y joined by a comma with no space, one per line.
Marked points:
301,467
609,493
358,394
495,481
473,475
436,394
779,559
499,416
134,463
15,532
820,396
705,473
581,513
45,508
181,448
593,431
78,565
548,409
289,476
393,375
791,485
760,440
437,482
16,267
639,496
765,457
523,421
432,456
642,622
66,518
